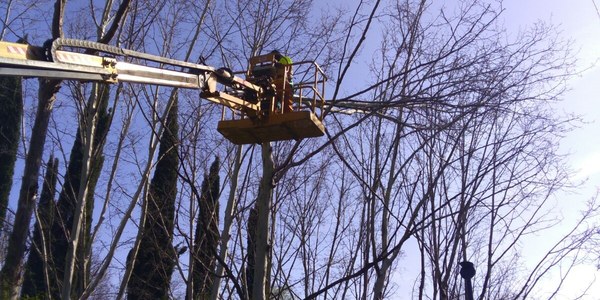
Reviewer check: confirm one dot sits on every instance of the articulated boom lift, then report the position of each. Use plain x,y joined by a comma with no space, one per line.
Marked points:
256,103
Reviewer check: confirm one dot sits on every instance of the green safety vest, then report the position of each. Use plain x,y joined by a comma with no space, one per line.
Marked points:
285,60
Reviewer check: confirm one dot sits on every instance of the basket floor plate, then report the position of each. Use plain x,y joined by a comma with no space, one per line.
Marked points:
289,126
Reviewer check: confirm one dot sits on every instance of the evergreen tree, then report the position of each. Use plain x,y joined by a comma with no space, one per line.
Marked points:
252,220
67,201
34,283
207,234
155,259
84,252
11,112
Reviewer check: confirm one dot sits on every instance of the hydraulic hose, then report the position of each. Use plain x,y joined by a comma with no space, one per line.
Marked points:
82,44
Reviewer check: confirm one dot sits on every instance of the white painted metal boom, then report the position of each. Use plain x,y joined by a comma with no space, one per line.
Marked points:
120,65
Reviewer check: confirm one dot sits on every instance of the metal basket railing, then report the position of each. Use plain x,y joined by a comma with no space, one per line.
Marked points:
311,87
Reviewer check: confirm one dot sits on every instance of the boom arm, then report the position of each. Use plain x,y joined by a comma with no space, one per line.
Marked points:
31,61
261,121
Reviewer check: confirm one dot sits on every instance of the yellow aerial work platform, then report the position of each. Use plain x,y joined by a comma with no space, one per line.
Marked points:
289,126
294,118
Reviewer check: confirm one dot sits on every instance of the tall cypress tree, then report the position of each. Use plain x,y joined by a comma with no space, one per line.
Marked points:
207,235
34,284
11,111
155,259
251,248
82,274
67,200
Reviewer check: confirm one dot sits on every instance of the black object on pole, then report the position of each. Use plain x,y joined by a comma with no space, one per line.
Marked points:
467,272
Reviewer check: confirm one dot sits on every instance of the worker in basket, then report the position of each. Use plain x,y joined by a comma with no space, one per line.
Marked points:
283,82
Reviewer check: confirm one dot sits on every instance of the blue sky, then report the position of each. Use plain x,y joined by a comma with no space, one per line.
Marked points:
578,21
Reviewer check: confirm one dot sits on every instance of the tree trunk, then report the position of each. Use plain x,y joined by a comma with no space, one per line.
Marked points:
91,118
262,245
228,220
97,161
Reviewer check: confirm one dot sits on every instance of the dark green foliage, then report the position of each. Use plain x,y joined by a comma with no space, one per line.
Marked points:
34,285
207,233
252,220
11,111
81,278
15,252
155,259
67,201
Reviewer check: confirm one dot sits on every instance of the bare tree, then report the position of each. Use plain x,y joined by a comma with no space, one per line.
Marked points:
445,143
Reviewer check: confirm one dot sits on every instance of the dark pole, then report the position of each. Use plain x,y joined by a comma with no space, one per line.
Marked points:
467,272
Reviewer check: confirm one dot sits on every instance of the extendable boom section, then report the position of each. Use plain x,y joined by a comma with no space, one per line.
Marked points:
257,99
32,61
